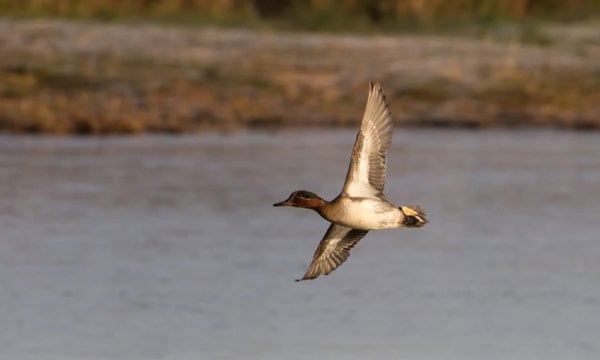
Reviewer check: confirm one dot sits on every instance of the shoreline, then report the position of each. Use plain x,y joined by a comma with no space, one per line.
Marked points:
79,77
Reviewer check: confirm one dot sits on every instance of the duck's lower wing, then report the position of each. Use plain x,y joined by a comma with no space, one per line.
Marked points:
333,250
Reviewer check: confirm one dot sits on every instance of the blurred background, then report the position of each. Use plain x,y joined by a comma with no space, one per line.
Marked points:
98,67
143,143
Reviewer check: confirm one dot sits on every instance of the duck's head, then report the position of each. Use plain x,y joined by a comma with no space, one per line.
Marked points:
303,199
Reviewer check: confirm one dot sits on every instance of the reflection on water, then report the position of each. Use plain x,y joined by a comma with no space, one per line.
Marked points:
169,248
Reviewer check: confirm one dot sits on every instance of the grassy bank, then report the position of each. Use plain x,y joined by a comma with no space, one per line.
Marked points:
77,77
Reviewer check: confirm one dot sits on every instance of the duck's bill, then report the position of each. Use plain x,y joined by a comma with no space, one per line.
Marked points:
283,203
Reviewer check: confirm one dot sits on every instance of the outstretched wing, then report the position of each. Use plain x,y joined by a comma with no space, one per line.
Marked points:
333,250
366,174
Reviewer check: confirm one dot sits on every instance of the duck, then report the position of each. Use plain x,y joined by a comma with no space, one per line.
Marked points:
361,206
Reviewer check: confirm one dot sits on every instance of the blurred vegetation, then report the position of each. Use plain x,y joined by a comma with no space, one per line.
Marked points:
97,78
361,15
529,63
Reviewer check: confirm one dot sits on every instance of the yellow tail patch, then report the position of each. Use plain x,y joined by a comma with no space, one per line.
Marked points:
408,211
414,216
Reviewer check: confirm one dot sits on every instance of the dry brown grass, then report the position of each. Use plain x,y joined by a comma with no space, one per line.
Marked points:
64,77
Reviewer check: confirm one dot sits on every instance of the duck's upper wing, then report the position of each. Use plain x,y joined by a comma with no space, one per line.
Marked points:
333,250
366,174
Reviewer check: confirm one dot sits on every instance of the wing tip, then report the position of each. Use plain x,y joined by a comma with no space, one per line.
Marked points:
310,274
376,90
374,84
304,278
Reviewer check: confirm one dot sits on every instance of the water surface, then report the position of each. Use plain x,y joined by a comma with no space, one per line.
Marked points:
169,248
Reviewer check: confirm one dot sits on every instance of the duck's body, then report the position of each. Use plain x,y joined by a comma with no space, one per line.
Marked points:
362,213
361,206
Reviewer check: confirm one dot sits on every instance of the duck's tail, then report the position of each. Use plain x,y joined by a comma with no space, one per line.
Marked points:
414,216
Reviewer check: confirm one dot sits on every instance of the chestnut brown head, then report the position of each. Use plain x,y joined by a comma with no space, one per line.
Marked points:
303,199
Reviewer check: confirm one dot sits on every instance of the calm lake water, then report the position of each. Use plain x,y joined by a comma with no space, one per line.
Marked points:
169,248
